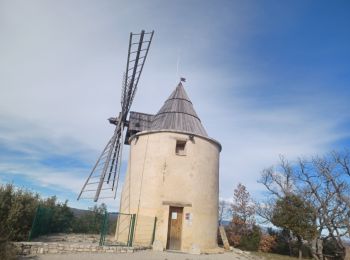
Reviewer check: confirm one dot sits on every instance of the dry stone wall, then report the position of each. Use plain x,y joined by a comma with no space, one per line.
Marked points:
36,248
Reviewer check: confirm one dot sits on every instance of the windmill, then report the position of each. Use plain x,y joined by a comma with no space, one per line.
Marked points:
103,180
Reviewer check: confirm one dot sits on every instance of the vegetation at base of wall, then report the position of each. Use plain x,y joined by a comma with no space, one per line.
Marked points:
7,250
18,208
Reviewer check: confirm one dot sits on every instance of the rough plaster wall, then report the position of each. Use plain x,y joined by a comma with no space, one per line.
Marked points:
157,175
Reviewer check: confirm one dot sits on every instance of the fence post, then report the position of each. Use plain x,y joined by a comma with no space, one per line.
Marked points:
154,230
131,230
33,224
103,229
128,242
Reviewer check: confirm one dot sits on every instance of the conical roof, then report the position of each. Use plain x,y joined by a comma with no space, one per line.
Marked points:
178,114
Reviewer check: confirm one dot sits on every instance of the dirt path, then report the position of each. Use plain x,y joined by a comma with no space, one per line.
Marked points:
143,255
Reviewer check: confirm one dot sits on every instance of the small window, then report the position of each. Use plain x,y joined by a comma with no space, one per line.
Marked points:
180,147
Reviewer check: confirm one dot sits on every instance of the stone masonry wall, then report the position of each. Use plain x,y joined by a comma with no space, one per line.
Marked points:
35,248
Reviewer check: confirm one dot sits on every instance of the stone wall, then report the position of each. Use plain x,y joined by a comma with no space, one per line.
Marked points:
35,248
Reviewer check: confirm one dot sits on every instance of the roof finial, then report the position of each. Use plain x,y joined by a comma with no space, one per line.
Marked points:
182,79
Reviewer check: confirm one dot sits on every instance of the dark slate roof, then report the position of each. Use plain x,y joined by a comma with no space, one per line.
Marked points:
178,114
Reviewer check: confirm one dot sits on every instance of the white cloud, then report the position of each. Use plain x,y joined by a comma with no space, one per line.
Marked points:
60,77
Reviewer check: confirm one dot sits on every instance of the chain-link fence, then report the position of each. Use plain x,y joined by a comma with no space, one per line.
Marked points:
94,226
52,224
130,230
145,228
41,223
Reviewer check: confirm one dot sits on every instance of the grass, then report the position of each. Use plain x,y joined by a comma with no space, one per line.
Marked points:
269,256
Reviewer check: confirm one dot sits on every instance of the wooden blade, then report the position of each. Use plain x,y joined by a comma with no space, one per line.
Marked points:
104,176
139,45
105,168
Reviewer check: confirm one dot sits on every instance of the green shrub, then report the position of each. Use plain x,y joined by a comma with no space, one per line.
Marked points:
62,218
90,222
251,240
18,208
7,250
17,211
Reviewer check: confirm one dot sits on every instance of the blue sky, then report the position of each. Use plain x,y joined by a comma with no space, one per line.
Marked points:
266,78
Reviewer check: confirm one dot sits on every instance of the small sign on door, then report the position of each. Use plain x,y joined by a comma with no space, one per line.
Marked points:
173,215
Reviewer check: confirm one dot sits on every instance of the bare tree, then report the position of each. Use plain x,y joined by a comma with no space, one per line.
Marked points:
324,183
279,182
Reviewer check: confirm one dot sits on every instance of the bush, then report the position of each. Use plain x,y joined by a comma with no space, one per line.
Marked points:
61,216
267,243
18,208
242,235
330,248
282,241
7,250
17,211
285,244
251,240
90,222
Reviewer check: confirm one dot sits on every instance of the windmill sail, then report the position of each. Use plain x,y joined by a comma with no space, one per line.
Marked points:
104,177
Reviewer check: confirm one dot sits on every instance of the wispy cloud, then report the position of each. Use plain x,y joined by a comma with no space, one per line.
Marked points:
257,90
31,157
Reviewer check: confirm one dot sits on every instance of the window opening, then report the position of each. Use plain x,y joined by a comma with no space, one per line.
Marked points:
180,147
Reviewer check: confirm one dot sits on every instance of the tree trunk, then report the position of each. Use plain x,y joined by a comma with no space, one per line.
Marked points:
300,245
347,253
315,249
320,248
290,247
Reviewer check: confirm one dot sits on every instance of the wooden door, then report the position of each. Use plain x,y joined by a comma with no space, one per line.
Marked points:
174,228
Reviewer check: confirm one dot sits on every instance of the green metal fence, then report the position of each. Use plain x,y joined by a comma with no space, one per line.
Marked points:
114,229
118,229
128,230
50,221
41,223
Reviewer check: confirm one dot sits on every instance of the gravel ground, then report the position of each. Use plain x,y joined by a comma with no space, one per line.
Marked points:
142,255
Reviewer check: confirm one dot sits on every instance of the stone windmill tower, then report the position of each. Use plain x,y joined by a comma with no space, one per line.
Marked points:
173,174
173,168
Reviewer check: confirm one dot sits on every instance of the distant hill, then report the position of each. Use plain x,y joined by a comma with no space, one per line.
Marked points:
80,212
225,223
